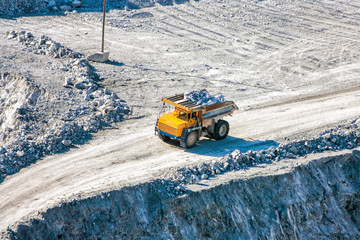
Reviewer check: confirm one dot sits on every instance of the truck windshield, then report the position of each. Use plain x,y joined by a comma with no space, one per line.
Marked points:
183,116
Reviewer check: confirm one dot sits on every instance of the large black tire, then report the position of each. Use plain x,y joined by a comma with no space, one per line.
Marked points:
191,139
221,130
164,137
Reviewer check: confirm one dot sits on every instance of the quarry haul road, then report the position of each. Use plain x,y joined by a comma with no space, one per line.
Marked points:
132,154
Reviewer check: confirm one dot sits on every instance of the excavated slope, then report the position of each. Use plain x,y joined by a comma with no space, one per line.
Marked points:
318,199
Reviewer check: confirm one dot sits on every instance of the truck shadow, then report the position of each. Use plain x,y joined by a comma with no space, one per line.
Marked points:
219,148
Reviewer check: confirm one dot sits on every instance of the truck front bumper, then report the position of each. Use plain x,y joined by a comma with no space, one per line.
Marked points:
166,134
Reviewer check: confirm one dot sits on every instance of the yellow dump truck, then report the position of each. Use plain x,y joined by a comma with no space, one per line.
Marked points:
189,121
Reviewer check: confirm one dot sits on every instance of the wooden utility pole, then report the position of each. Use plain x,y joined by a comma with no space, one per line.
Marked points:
102,56
103,28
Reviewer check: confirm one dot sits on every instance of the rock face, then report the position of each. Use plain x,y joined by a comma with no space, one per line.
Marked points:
10,8
320,200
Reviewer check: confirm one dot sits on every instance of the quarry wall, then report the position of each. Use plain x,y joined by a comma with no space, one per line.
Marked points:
317,200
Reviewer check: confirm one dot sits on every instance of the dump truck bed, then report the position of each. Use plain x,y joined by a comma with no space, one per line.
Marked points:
179,101
210,111
220,109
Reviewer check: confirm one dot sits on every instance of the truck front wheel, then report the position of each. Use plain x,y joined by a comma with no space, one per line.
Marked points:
221,130
164,137
191,139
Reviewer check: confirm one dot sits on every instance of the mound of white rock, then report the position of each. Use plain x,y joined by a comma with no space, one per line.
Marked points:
43,45
44,124
203,98
18,7
63,5
339,138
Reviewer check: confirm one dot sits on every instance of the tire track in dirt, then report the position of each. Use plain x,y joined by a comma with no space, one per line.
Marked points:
181,23
309,49
268,42
189,19
352,91
227,32
273,12
250,29
306,16
193,39
193,33
313,20
197,30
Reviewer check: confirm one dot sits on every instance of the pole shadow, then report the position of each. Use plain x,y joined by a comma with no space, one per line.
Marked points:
114,63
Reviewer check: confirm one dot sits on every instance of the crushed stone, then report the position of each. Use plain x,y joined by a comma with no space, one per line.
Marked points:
203,98
35,122
43,45
335,139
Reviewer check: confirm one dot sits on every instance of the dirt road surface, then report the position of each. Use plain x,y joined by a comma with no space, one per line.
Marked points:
292,68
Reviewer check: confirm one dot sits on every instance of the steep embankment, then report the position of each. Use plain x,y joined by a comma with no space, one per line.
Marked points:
317,199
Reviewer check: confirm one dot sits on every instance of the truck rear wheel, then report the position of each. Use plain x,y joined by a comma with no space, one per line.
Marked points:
221,130
191,139
164,137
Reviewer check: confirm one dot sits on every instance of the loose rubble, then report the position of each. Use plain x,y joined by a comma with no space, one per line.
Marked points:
203,98
13,8
21,7
42,45
342,137
33,122
35,128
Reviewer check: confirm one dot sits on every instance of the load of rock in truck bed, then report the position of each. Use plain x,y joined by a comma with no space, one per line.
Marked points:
203,98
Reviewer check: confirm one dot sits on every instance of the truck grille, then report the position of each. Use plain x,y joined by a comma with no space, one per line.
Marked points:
165,128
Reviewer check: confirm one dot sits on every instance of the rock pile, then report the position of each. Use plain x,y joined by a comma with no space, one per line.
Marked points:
13,8
59,5
37,126
22,153
81,77
18,99
203,98
35,121
342,137
42,45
